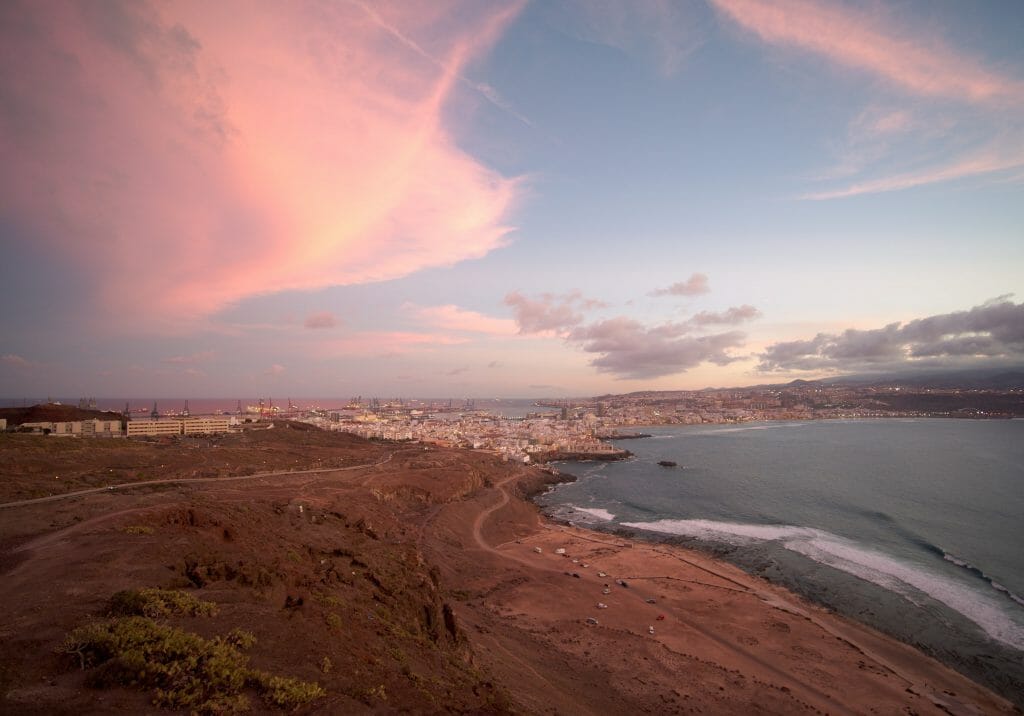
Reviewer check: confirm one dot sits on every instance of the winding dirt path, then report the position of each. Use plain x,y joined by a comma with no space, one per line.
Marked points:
186,480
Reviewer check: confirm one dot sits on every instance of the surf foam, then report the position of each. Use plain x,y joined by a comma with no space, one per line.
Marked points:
870,565
594,512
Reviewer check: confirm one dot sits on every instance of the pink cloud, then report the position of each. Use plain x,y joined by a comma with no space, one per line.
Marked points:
693,286
15,360
323,319
551,314
276,369
890,122
201,357
452,318
631,350
731,316
200,154
987,163
923,65
384,342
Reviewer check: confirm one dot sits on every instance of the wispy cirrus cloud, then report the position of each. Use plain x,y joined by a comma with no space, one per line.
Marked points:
987,163
870,43
204,155
987,335
965,116
191,359
660,33
364,343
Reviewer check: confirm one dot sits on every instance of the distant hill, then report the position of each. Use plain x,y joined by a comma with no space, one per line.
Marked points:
54,413
991,379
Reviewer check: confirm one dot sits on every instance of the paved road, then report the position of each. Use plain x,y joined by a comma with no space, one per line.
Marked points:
183,480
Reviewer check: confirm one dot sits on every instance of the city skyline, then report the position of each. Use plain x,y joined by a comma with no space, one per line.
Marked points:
525,199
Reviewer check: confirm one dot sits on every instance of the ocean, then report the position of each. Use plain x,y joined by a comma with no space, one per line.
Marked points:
915,527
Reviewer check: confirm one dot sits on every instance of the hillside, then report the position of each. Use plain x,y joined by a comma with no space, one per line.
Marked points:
54,413
390,578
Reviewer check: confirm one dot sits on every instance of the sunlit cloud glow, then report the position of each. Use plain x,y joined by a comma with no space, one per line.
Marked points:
860,41
693,286
980,165
452,318
204,154
321,320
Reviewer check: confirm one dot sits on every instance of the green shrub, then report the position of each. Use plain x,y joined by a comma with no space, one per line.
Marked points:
137,530
283,692
153,602
185,671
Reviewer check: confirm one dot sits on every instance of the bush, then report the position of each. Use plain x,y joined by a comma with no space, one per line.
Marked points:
186,671
138,530
283,692
158,603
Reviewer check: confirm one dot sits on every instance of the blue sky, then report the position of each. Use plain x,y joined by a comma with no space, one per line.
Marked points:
475,199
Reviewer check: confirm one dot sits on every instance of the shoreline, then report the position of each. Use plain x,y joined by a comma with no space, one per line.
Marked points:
683,581
960,665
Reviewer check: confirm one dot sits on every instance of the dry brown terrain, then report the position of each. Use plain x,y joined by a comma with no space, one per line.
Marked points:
406,579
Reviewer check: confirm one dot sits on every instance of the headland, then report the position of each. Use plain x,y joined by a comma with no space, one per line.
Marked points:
403,577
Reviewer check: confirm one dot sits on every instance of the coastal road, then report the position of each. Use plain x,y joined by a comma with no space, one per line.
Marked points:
186,480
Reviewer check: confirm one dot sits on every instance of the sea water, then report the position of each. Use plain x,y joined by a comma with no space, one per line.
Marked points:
915,527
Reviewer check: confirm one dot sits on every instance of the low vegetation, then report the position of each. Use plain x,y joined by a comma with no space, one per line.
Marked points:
184,670
158,603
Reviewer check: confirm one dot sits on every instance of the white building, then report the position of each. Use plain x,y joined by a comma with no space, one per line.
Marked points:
205,426
153,427
182,426
78,428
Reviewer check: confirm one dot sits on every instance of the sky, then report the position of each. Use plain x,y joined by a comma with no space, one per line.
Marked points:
522,199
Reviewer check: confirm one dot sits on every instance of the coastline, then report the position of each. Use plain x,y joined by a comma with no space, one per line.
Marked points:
937,682
569,456
428,576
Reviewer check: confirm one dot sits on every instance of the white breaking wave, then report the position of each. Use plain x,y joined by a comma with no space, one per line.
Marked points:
870,565
744,429
594,512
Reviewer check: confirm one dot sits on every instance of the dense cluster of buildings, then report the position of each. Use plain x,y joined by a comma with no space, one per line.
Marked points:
516,438
581,427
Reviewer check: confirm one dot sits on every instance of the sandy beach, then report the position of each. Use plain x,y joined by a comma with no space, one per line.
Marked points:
613,623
